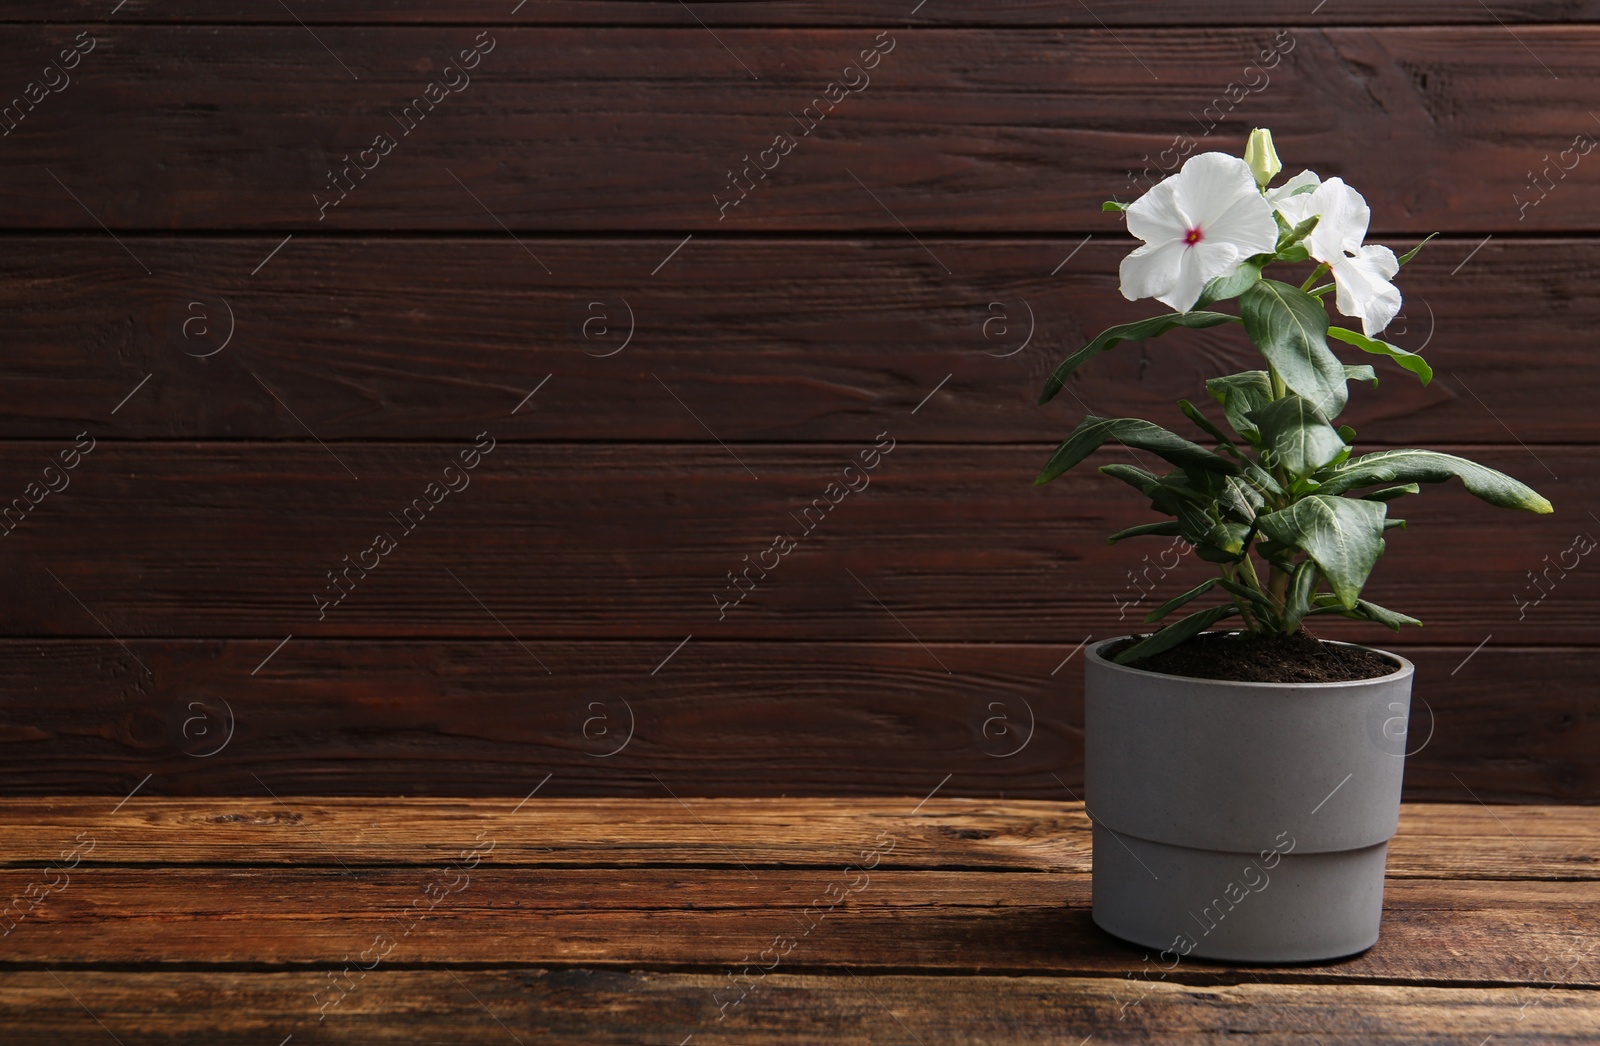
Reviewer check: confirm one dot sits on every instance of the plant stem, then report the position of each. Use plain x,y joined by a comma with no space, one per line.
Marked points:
1311,280
1248,567
1278,589
1242,603
1279,391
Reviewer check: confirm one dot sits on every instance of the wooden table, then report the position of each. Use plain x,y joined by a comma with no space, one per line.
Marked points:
312,920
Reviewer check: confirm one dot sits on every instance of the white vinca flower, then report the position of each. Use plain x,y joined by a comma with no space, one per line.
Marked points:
1289,201
1361,273
1197,225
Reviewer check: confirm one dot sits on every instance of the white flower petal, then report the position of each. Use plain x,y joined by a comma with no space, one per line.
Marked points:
1156,216
1211,183
1293,185
1295,209
1364,290
1345,217
1215,196
1198,266
1248,225
1152,270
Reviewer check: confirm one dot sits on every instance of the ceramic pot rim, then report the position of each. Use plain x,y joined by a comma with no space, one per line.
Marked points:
1405,670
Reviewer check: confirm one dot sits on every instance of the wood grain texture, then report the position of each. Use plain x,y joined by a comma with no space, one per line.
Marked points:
720,891
402,1006
775,342
480,718
949,922
794,339
875,13
637,542
584,129
637,920
1457,841
521,654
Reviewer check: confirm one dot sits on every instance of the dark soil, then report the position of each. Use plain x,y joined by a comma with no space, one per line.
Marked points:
1247,658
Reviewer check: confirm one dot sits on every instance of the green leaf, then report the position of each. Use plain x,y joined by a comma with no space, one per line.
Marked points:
1365,611
1194,526
1264,611
1412,253
1280,556
1429,466
1297,253
1297,599
1262,479
1247,275
1383,616
1166,496
1175,633
1299,437
1092,432
1343,535
1113,205
1241,394
1177,601
1394,524
1166,528
1409,360
1246,591
1226,538
1360,372
1145,482
1239,499
1290,327
1192,412
1136,331
1298,233
1390,493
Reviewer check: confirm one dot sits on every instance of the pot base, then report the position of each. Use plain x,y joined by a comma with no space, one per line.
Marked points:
1237,907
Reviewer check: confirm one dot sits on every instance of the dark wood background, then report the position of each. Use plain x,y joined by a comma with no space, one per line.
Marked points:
161,204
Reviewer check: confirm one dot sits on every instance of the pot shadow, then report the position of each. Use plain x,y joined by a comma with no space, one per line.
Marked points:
1134,956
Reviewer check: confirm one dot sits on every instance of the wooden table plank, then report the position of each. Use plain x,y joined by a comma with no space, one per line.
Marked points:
602,921
614,833
203,1007
575,128
1434,931
1459,841
798,339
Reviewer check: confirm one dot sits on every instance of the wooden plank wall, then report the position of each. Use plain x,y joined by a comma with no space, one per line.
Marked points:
542,275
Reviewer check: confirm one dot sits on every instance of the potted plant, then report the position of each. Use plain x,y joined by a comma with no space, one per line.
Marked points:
1244,784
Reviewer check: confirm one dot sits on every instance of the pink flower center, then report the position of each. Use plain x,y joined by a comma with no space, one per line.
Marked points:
1193,236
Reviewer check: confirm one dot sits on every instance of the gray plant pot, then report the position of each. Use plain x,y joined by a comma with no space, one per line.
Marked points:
1245,822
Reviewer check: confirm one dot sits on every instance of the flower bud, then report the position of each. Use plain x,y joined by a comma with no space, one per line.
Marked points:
1262,157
